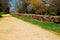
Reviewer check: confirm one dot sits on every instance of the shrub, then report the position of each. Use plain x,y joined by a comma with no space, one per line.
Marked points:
1,13
53,13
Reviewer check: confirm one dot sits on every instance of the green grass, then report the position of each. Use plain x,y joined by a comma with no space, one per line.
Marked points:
46,25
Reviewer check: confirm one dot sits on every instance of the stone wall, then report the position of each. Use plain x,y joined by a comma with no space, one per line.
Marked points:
47,18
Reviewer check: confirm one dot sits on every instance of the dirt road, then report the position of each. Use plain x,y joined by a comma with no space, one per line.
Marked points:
14,29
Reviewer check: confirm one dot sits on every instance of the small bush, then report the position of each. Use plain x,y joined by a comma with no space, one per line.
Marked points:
53,13
1,13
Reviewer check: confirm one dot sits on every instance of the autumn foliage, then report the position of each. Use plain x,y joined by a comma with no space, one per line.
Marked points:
47,7
38,6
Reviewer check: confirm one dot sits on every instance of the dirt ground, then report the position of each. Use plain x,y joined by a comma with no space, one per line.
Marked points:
15,29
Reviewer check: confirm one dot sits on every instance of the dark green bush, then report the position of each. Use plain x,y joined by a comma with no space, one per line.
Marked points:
53,13
1,13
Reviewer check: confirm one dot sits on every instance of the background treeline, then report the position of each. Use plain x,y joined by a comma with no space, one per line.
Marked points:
42,7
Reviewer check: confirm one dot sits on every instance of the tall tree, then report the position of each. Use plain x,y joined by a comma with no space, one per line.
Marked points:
4,4
38,6
25,3
55,6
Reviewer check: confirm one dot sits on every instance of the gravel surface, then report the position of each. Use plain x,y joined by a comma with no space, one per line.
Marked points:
12,28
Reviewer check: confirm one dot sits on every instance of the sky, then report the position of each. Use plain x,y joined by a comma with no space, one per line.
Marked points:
13,6
12,2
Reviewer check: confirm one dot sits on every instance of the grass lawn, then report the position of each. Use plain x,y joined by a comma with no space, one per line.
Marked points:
46,25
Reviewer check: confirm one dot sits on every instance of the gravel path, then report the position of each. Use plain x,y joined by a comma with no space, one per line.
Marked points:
14,29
